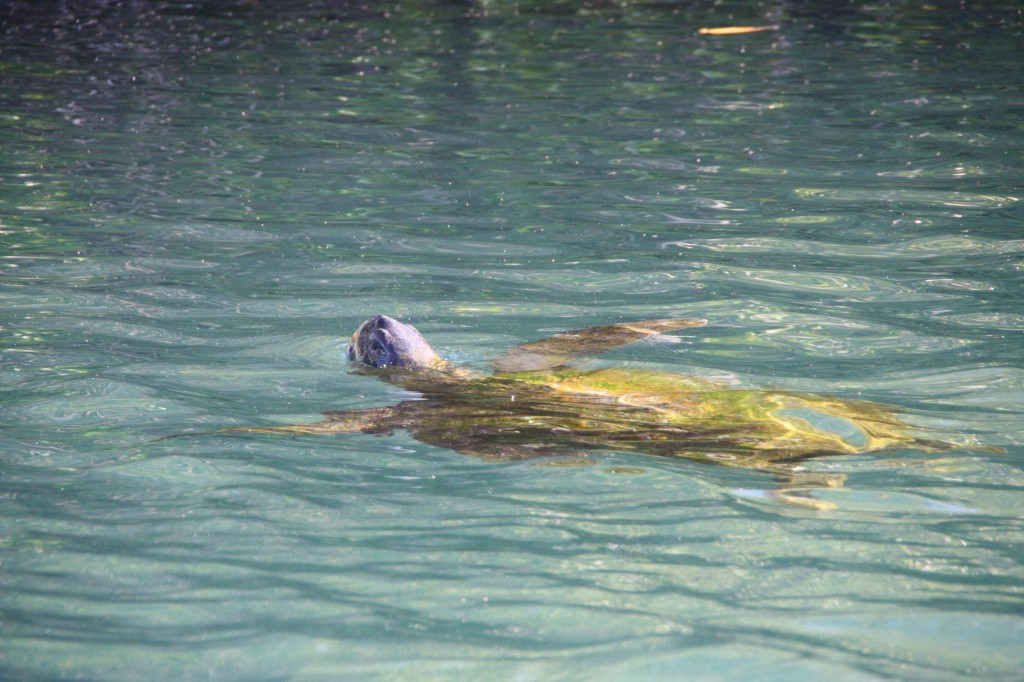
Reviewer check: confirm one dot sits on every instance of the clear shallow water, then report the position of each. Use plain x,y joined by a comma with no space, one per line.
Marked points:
199,203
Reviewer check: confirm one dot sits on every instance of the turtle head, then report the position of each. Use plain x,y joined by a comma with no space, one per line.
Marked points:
382,341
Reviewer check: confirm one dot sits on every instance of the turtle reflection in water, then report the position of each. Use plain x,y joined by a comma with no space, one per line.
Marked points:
536,405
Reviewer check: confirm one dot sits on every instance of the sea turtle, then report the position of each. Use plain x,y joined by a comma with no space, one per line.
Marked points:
536,404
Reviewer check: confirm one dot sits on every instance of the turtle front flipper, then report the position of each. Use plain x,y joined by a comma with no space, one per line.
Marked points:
373,420
559,349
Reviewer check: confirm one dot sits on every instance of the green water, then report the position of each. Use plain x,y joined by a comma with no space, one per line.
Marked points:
199,202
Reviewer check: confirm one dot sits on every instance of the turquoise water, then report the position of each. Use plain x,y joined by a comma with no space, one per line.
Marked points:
200,202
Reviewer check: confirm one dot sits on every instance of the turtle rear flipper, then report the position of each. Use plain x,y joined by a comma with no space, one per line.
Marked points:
559,349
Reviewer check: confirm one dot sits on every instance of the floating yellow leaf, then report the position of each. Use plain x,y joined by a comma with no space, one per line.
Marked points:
734,30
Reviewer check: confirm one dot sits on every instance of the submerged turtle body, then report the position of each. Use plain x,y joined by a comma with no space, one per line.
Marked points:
536,404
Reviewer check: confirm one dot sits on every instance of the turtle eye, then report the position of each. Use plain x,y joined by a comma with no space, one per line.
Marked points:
378,353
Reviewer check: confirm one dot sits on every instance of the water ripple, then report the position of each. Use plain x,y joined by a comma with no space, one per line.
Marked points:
930,247
908,197
848,288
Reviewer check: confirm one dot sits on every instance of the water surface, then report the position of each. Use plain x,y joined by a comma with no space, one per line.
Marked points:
200,202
